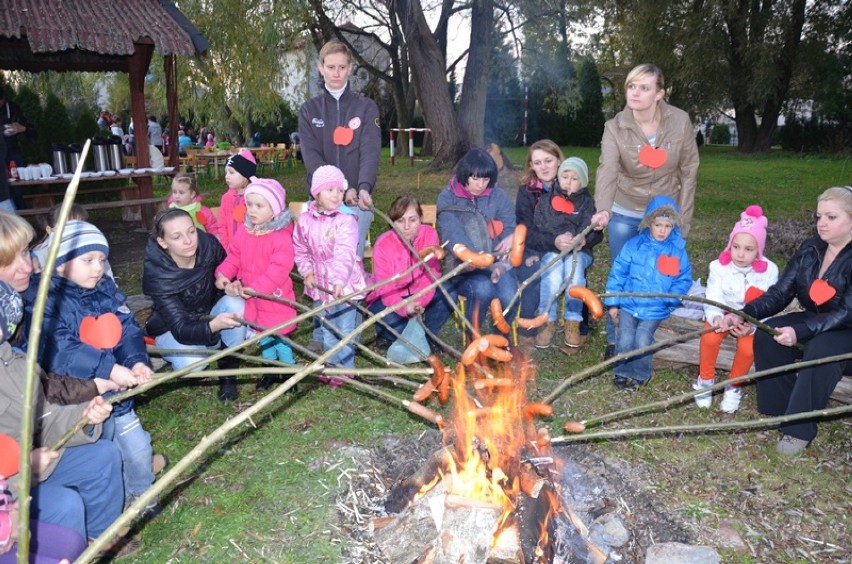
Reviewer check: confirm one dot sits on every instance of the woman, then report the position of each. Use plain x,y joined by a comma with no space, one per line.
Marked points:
178,277
391,256
819,276
539,176
475,212
78,487
341,128
648,149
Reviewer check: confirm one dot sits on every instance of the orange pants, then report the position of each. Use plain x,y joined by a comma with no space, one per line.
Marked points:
708,352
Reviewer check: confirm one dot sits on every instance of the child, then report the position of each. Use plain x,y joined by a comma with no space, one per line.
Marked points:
39,252
90,334
653,261
740,275
558,217
185,196
239,169
260,258
325,244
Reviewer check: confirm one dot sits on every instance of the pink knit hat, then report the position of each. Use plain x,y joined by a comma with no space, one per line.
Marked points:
753,222
327,176
270,190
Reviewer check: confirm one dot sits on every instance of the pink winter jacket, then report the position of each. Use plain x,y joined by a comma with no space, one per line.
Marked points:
325,246
228,224
391,257
263,263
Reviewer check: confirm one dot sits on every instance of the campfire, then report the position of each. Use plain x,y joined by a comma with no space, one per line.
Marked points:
493,492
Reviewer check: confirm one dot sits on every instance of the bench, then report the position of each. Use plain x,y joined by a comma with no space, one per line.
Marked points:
125,203
686,354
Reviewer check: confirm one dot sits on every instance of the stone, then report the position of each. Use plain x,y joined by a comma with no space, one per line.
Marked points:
609,530
679,553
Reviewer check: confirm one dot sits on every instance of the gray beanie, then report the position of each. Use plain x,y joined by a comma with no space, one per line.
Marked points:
578,167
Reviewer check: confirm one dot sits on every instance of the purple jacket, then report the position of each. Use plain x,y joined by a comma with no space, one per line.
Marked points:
325,245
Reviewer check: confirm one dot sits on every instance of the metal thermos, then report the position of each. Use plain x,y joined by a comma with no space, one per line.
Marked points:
75,152
116,158
101,152
60,160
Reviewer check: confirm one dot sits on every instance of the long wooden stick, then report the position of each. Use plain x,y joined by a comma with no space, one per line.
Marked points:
765,422
220,433
680,398
600,367
32,360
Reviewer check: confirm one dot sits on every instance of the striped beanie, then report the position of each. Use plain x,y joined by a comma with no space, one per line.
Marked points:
271,191
79,238
244,163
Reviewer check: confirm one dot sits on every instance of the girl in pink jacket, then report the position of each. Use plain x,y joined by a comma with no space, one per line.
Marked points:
239,170
325,244
260,258
186,197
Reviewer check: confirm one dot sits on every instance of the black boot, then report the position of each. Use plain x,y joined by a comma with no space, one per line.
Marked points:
228,384
267,382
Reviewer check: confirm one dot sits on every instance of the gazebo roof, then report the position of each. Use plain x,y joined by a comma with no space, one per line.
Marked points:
91,35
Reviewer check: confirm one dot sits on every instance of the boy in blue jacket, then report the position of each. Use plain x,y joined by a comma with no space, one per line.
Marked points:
653,261
90,334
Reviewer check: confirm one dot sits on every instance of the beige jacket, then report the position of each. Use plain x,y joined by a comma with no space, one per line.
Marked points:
620,177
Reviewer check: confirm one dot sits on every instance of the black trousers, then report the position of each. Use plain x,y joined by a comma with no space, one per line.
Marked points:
808,389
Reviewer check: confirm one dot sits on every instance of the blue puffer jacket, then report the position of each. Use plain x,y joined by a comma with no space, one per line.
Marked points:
61,351
645,265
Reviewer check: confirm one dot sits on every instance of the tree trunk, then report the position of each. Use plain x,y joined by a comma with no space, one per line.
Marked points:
477,73
427,67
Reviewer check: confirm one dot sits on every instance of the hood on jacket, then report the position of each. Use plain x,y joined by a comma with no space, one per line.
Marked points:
661,206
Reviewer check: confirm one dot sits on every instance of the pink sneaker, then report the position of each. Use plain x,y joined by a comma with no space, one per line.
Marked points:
335,382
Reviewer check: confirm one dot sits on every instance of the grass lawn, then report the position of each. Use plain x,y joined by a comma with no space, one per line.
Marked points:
268,493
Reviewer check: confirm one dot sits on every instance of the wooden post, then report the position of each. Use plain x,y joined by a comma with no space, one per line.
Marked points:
170,69
137,69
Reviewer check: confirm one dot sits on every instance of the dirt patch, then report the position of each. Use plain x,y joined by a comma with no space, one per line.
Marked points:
592,486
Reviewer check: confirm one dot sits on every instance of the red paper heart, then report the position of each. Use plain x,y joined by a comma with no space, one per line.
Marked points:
821,291
668,265
651,157
10,456
342,135
201,219
495,227
102,332
562,205
240,213
752,293
148,340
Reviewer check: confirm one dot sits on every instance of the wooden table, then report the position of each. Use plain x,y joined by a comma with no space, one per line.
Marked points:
46,192
221,157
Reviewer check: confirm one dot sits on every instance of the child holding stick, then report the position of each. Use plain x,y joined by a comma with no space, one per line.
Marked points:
653,261
740,275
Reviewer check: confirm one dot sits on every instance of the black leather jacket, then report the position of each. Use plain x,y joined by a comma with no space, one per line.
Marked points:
182,296
796,282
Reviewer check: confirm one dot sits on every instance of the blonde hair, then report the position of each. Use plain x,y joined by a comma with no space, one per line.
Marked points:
639,72
841,194
15,235
333,47
545,145
188,179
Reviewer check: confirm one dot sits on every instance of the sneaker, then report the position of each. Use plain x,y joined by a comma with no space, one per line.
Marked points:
623,383
609,351
731,399
545,336
267,382
632,385
706,399
572,334
791,446
159,462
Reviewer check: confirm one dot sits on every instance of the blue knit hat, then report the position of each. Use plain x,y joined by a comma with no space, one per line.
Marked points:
79,238
11,310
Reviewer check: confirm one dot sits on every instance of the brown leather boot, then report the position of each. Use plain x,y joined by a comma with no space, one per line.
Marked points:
572,334
545,336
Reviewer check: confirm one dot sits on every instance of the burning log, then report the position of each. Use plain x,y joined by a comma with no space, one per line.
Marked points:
466,531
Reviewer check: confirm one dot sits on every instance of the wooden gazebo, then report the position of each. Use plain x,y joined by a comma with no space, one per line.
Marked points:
102,35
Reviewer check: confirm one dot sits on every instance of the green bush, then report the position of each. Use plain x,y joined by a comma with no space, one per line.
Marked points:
721,134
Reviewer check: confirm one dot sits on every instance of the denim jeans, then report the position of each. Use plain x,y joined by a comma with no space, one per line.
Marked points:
634,333
134,444
226,304
365,218
530,297
396,321
620,229
552,279
479,290
85,492
346,318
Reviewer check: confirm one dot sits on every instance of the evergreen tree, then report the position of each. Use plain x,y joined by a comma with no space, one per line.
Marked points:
30,105
504,105
55,126
589,119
